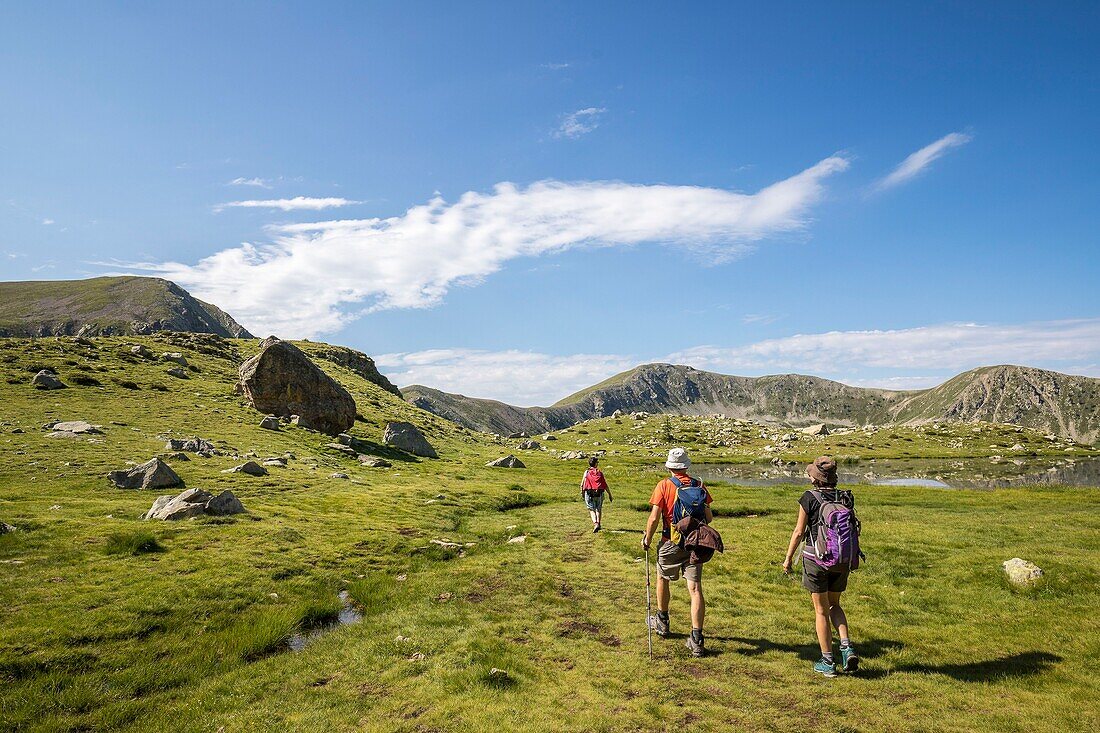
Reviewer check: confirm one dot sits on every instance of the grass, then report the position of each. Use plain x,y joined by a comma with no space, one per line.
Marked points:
134,542
195,638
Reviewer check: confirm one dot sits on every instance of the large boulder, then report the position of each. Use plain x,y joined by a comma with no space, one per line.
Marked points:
405,436
506,462
270,423
281,380
1021,573
153,474
819,429
46,379
194,503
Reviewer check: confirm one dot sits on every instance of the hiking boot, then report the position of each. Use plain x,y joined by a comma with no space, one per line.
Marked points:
822,666
658,625
696,647
596,529
849,660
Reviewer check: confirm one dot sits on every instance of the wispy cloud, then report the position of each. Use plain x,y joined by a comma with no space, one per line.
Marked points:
258,182
340,269
920,160
913,358
578,123
761,319
552,66
297,203
47,222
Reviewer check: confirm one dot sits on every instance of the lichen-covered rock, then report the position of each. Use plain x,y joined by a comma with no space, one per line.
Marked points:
1020,572
405,436
153,474
281,380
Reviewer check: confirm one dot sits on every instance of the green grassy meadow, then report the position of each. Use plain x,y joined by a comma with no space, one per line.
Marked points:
108,622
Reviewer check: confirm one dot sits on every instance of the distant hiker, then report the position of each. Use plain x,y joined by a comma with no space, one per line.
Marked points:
828,530
593,487
678,497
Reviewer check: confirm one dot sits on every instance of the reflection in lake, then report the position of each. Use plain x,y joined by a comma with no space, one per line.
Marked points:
967,473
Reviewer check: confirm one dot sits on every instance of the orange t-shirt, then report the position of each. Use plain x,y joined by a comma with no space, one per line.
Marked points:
664,496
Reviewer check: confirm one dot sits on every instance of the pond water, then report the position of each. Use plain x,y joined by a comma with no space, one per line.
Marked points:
968,473
347,615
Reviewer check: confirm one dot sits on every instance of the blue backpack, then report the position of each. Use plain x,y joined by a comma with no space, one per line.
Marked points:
691,500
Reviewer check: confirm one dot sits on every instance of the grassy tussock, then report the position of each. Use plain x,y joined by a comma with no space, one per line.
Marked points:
136,542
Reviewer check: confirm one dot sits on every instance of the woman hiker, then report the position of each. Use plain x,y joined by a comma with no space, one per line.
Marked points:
825,575
593,487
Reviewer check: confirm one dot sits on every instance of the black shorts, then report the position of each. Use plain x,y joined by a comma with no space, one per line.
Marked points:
817,579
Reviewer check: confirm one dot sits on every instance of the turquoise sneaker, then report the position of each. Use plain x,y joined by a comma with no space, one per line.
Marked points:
849,660
826,668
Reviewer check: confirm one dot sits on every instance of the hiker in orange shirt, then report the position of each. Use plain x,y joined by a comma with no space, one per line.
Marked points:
674,498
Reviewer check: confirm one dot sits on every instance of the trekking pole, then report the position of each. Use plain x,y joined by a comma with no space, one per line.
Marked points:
648,614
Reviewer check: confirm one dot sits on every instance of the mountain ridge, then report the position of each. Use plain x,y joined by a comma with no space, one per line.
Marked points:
1062,404
103,306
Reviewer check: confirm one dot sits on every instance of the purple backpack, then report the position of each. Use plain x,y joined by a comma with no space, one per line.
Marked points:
834,540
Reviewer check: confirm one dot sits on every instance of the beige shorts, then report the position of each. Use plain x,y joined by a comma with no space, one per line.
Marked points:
672,560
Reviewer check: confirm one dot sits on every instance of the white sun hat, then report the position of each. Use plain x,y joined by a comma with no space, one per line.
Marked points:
678,459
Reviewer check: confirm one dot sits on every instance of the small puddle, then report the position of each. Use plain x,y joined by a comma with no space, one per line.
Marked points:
348,615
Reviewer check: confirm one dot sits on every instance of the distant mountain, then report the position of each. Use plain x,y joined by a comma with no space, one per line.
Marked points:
1059,403
103,306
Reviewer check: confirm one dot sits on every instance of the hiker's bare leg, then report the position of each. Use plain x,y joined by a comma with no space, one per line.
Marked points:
821,611
599,516
698,604
836,614
662,594
595,519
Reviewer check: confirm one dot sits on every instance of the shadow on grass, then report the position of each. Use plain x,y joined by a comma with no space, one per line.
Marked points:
1024,664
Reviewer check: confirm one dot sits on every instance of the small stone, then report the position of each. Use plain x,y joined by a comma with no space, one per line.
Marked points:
338,474
141,352
418,657
1020,572
276,462
174,356
374,462
270,423
251,468
518,540
178,373
6,528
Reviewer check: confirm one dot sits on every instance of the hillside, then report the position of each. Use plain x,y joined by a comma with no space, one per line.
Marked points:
444,595
102,306
1063,404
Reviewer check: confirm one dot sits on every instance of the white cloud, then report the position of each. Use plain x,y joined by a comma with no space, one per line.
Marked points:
303,283
578,123
954,346
925,356
921,159
298,203
47,222
555,66
506,375
762,319
258,182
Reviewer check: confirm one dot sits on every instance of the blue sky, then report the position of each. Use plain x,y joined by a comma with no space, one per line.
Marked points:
515,202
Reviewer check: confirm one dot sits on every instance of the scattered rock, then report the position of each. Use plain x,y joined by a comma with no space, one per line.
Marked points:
519,540
549,436
194,503
405,436
573,455
175,356
499,677
276,462
46,379
281,380
178,373
270,423
73,427
141,352
446,544
374,462
508,461
528,445
192,445
6,528
251,468
1020,572
177,456
338,475
819,429
153,474
343,449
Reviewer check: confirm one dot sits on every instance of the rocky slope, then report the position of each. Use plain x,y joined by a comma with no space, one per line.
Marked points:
108,306
1066,405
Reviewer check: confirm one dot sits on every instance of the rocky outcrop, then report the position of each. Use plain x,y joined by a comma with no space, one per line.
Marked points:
153,474
192,445
355,361
281,380
405,436
194,503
